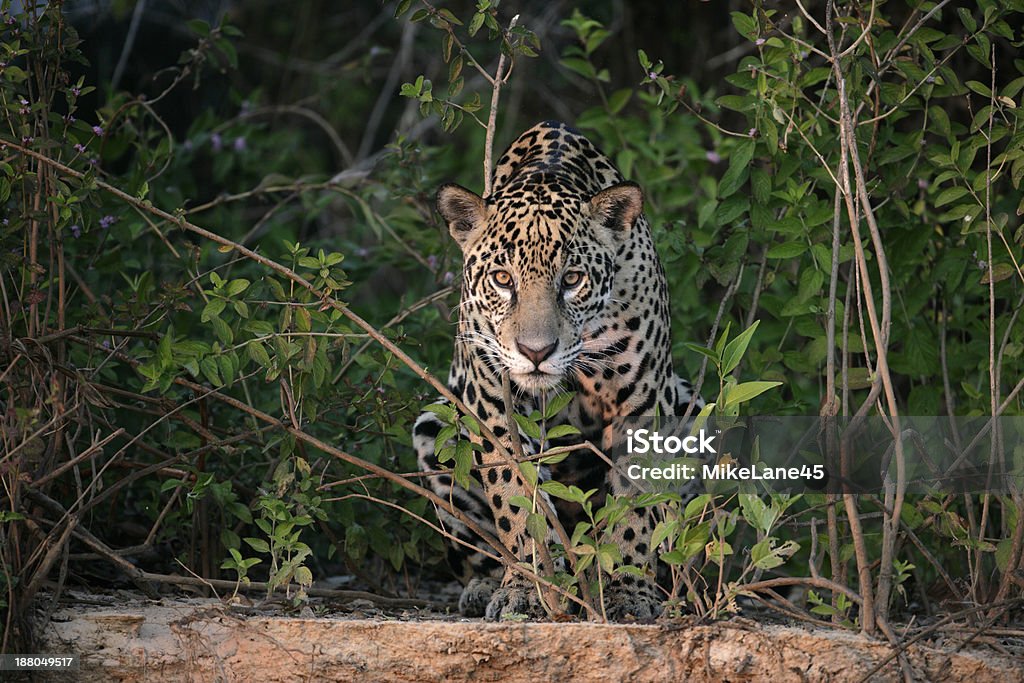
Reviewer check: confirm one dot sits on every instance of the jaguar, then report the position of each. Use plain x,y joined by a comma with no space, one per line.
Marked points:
562,291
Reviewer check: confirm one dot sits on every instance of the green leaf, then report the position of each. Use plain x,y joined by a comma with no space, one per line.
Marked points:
258,353
736,348
618,100
222,330
557,403
210,370
529,471
739,167
968,20
476,22
761,184
163,352
536,526
236,287
529,427
562,430
950,195
471,424
212,309
766,556
787,249
704,351
447,14
463,464
521,502
444,411
745,25
441,443
258,544
742,393
1000,271
663,530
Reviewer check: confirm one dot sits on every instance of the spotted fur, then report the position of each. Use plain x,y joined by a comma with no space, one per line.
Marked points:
562,288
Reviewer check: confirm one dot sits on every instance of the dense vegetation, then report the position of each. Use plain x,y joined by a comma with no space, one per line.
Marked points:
213,266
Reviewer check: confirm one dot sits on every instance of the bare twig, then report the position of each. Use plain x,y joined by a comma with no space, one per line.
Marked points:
492,117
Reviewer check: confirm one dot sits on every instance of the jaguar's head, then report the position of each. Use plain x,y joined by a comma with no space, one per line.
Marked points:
539,266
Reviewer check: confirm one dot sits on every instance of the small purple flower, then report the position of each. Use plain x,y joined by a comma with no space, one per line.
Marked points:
76,231
432,261
94,161
106,344
712,156
69,119
922,184
76,91
929,79
448,278
653,75
97,131
79,147
187,145
752,132
759,42
216,142
24,108
107,221
239,144
27,140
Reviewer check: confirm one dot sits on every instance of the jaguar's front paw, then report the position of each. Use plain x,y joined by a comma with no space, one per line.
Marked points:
639,601
513,600
476,595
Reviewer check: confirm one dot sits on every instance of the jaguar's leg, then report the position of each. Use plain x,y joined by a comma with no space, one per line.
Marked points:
479,573
629,595
490,507
639,596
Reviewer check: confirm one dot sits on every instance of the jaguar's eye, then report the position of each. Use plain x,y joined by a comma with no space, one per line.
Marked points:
572,279
502,278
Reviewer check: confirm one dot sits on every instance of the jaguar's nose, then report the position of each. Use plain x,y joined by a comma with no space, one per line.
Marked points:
536,355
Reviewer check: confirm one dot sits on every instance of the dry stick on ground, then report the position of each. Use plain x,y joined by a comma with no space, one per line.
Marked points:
398,603
906,644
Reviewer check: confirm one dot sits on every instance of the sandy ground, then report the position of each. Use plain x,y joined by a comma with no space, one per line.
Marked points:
203,640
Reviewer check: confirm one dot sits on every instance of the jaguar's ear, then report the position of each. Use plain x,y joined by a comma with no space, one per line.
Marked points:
463,210
618,206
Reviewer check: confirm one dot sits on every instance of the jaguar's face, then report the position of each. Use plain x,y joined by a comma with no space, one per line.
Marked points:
538,274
